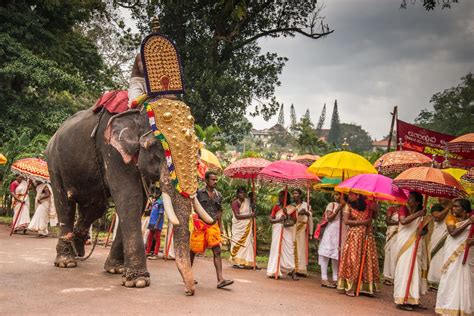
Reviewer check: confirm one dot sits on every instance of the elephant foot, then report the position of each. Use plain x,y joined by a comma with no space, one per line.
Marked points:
189,291
114,267
65,255
80,238
136,278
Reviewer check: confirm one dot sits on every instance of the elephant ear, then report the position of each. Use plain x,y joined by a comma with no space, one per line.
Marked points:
123,133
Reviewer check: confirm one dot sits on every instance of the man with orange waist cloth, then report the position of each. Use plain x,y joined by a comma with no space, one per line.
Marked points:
209,236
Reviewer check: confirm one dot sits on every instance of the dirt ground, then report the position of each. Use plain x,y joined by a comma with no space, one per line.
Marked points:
30,284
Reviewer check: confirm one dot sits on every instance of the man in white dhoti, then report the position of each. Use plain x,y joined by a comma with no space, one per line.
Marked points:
390,241
456,286
304,229
45,213
282,257
410,217
21,204
241,251
437,240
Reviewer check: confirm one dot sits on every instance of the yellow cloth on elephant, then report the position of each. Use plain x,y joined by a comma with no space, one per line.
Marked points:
204,236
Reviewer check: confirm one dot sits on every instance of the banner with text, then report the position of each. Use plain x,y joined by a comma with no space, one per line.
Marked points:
425,141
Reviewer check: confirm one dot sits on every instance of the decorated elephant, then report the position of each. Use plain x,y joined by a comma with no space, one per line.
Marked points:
94,156
111,151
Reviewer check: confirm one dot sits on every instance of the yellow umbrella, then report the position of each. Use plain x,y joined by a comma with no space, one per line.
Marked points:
457,173
3,159
341,164
210,159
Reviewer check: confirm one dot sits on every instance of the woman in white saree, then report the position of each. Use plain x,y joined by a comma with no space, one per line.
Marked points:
304,228
21,205
410,217
282,257
45,213
390,241
456,287
241,252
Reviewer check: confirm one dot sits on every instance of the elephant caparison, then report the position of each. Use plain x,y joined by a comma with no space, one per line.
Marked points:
95,156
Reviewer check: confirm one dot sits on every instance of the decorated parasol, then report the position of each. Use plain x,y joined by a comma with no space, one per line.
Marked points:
248,168
461,175
463,145
397,161
210,159
306,160
341,164
31,168
3,159
430,182
289,173
374,186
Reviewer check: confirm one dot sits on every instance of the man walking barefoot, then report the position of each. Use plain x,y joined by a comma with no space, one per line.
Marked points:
209,236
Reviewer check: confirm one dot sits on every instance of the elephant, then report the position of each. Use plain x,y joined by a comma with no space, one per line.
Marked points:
96,156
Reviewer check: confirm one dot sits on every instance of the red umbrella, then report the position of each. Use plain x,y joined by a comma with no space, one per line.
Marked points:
248,168
32,168
289,173
397,161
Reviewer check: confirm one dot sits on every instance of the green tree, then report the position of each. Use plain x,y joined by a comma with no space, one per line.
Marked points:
453,109
334,136
322,118
293,121
431,4
224,68
307,115
308,141
210,137
357,138
48,67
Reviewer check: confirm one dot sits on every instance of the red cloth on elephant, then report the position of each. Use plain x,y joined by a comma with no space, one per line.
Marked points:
115,101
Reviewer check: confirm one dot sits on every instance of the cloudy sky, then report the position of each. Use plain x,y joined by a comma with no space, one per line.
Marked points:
379,56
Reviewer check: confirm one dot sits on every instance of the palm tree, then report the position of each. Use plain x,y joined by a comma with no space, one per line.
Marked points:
210,137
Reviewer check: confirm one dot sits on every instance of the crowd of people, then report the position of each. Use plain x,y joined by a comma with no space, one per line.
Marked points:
345,238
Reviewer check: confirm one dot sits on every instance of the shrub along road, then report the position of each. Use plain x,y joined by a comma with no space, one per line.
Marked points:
31,284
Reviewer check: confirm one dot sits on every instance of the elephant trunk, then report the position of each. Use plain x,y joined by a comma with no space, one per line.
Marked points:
181,242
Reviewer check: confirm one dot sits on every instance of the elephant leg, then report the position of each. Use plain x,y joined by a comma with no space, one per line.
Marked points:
66,210
115,261
88,214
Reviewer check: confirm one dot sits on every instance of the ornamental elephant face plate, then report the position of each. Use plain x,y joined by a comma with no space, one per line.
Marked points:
173,124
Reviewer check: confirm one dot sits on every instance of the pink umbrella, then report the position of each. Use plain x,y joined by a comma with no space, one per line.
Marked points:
374,186
289,173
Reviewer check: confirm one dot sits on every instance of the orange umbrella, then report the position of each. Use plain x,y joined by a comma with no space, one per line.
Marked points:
463,144
32,168
430,181
306,160
397,161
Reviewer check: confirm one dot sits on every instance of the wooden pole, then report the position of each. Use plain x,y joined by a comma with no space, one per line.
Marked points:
112,224
340,226
413,256
394,117
466,251
307,226
254,226
281,237
21,208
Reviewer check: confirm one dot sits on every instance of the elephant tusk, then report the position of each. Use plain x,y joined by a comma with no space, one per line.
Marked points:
202,212
169,210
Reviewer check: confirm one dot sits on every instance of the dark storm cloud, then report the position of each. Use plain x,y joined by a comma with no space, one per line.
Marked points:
379,56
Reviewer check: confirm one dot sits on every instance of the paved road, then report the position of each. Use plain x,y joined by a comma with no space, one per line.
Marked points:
30,284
